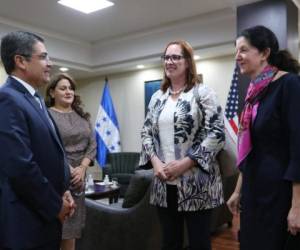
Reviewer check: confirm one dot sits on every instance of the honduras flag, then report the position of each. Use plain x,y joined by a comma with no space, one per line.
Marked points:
106,128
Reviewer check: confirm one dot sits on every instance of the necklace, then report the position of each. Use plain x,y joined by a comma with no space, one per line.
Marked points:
177,91
61,111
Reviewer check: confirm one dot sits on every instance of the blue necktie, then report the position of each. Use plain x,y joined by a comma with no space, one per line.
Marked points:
41,103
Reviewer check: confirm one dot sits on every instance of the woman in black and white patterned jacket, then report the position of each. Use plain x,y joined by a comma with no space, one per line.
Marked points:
181,137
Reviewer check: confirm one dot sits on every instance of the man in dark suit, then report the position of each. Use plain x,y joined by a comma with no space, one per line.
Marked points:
34,173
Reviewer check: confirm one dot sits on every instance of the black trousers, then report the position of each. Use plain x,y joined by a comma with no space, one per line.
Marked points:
198,225
49,246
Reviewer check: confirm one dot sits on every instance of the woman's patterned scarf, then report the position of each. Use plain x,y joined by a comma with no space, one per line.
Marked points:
254,93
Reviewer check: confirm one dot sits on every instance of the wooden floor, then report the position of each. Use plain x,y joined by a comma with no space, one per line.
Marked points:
226,238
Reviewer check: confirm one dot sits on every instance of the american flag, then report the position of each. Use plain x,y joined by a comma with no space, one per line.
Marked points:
231,109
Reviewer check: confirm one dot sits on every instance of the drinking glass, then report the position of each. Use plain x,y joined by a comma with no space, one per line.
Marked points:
114,182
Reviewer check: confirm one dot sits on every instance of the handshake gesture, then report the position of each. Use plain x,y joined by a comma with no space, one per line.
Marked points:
68,207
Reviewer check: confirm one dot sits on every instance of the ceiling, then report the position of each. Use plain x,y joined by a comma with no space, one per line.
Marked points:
127,18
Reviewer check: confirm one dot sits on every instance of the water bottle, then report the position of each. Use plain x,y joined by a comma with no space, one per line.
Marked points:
106,179
90,182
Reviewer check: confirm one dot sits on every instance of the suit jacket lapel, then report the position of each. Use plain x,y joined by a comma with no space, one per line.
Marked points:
36,106
14,84
19,87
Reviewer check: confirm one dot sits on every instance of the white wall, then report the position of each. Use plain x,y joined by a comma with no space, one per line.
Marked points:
3,74
217,73
127,91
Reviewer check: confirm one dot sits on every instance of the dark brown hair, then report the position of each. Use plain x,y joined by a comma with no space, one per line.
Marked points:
191,74
263,38
17,43
76,105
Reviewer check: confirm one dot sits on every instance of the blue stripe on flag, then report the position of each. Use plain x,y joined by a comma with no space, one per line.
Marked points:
106,128
107,104
101,151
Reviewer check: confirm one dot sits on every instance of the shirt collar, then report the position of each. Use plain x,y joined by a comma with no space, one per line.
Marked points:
26,85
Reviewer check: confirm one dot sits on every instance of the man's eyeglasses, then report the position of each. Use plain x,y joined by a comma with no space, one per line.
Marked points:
42,56
173,58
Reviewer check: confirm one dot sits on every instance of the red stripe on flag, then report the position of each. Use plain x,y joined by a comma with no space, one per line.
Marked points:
233,126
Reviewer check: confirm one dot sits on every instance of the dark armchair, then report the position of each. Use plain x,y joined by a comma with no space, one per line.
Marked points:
221,215
121,166
134,224
229,175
